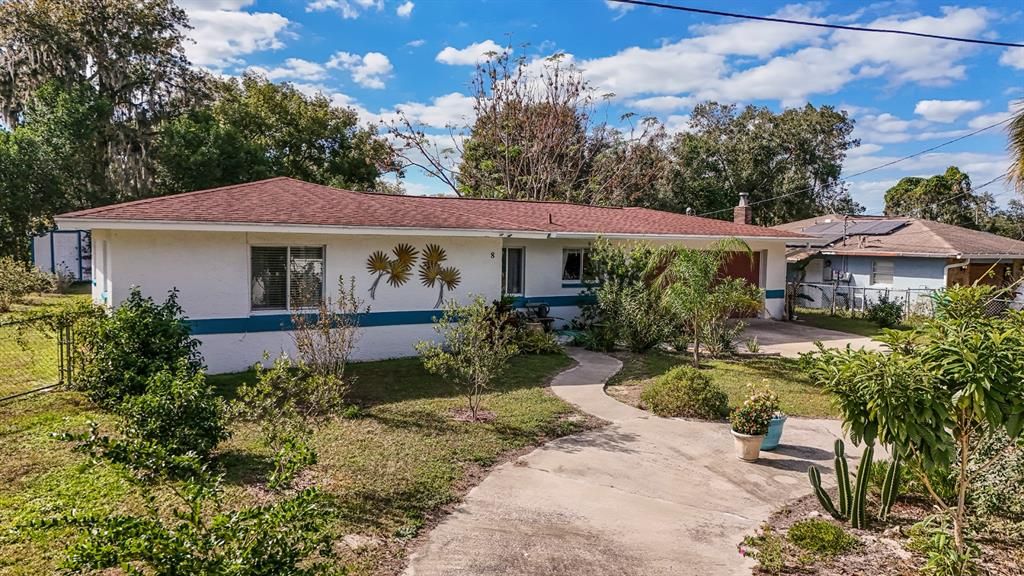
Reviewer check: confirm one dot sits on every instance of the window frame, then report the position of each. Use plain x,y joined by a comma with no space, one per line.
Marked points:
504,270
288,277
585,252
874,271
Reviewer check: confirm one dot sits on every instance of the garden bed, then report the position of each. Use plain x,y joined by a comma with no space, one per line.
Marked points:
892,548
393,468
798,396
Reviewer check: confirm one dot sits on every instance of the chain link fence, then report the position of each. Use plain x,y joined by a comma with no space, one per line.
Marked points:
916,302
35,354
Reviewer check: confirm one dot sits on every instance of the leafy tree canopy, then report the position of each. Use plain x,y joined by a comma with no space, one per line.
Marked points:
946,198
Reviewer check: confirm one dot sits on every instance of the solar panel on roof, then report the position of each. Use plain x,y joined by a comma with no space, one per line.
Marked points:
854,227
880,227
824,228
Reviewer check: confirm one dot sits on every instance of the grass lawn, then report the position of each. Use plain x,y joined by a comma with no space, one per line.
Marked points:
392,469
820,318
798,395
28,353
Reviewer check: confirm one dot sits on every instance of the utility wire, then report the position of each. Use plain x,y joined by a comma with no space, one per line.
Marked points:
815,24
874,168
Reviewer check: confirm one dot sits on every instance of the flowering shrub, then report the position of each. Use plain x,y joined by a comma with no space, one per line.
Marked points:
753,417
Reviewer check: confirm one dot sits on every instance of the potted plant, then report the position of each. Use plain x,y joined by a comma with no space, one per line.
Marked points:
750,423
774,436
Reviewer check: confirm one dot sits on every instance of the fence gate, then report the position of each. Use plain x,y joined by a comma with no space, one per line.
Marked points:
36,354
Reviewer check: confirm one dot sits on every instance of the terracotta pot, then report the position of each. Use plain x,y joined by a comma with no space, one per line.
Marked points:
748,447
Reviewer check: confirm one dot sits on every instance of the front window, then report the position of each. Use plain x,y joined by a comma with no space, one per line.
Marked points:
286,277
576,265
513,265
882,272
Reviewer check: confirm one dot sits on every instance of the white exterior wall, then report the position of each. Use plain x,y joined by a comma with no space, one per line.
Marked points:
211,272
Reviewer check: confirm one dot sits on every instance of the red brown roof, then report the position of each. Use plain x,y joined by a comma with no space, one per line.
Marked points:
919,237
288,201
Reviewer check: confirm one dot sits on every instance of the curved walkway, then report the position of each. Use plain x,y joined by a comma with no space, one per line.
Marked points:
642,496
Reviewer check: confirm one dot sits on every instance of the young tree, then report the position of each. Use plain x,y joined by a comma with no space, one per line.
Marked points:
701,300
477,342
1016,136
535,136
795,157
937,394
945,198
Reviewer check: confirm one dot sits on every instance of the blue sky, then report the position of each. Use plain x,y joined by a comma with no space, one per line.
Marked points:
906,94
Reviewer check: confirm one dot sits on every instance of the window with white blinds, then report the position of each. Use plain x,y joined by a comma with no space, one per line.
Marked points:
286,277
882,272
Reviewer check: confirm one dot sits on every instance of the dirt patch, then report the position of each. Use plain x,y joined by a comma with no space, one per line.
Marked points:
884,546
627,394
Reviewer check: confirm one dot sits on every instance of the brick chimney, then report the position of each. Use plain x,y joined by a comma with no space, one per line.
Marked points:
742,213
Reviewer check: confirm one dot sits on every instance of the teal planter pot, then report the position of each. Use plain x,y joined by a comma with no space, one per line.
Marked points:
774,435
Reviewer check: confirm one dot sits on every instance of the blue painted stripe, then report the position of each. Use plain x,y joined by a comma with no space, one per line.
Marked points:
573,285
283,322
775,293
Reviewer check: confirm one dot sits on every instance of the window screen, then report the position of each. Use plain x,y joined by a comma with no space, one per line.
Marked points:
881,272
269,287
512,261
306,267
287,277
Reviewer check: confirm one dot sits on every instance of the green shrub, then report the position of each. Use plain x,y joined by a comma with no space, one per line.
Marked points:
756,413
821,537
290,536
767,548
120,352
530,341
179,412
19,279
932,538
685,391
886,312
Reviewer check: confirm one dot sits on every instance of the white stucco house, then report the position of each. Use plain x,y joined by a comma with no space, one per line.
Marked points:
244,257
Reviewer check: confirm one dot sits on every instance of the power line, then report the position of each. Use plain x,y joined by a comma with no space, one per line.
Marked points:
874,168
816,24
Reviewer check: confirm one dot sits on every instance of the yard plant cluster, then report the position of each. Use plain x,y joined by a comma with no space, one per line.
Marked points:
945,401
311,465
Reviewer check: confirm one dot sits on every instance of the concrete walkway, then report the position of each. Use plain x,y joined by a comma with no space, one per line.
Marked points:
642,496
792,338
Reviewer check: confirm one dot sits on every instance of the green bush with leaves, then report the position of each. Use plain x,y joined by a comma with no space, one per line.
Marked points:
821,537
19,279
767,547
886,312
755,414
289,536
120,352
168,430
687,392
530,341
476,343
934,396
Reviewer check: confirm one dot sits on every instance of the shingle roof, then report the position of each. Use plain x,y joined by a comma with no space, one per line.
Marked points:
288,201
918,238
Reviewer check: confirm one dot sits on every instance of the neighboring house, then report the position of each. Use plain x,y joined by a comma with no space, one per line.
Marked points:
245,257
68,252
862,257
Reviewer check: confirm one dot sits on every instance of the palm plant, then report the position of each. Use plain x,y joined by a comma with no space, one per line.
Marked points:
1016,132
378,263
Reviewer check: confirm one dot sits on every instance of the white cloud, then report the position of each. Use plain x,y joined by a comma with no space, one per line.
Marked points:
1013,57
470,55
222,34
337,99
946,110
454,109
663,103
416,43
369,70
293,69
405,10
619,8
984,120
676,123
349,9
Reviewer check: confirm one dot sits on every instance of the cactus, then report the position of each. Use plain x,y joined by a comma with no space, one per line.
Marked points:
823,498
858,518
843,479
890,487
852,501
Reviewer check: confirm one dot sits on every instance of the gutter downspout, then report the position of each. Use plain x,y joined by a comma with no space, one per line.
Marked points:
948,267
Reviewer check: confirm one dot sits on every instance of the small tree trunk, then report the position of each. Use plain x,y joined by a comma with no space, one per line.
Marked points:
962,482
696,350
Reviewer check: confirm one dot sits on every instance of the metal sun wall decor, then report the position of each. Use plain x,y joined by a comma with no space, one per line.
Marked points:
398,269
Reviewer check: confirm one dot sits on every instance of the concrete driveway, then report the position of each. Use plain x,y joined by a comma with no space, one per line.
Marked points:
791,338
642,496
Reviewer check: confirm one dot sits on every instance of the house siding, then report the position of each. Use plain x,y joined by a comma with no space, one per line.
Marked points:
210,270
